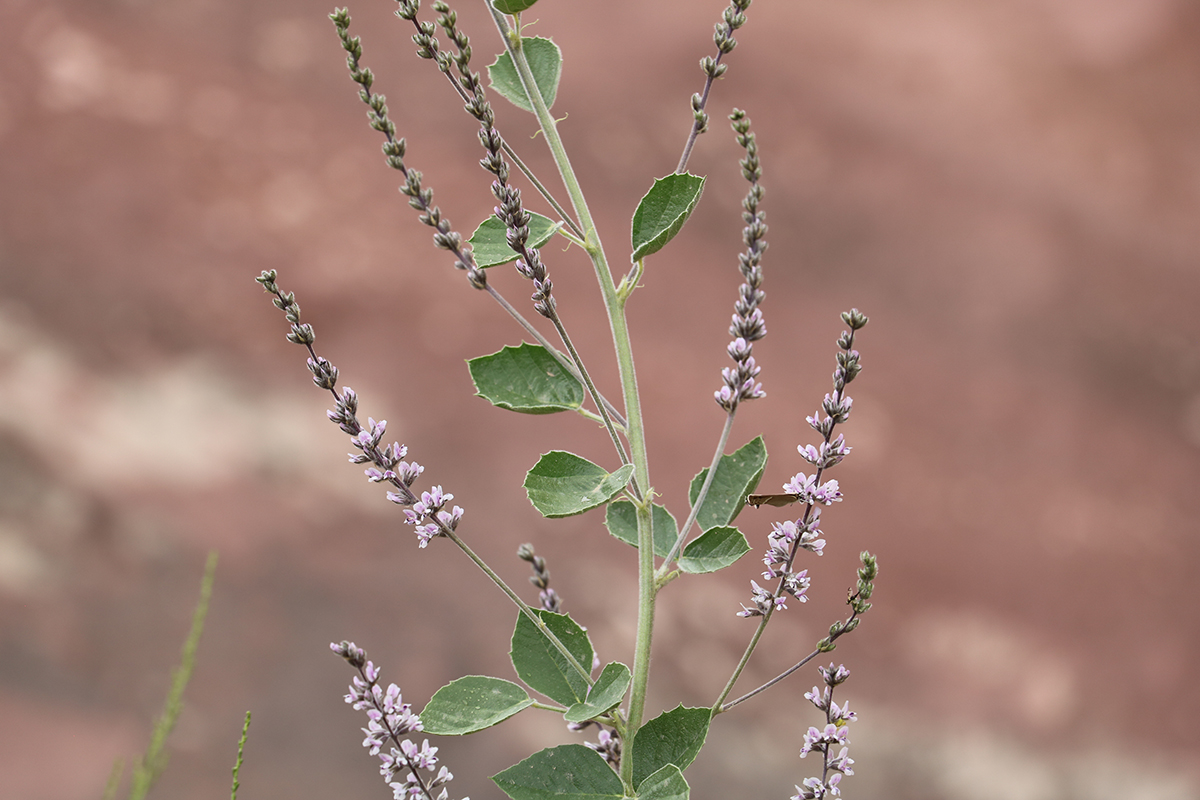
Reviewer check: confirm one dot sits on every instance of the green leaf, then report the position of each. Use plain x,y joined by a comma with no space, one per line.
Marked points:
662,212
666,784
512,6
471,704
621,521
674,737
489,242
545,62
605,695
540,664
569,772
563,484
526,379
737,475
714,549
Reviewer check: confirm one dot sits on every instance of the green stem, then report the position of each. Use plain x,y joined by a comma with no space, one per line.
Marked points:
542,190
737,671
595,394
237,765
150,766
635,432
695,512
547,707
720,709
521,604
114,779
525,170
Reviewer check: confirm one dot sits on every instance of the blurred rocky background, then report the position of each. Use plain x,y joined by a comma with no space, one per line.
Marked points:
1009,189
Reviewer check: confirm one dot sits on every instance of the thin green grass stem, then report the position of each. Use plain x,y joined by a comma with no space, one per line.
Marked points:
152,763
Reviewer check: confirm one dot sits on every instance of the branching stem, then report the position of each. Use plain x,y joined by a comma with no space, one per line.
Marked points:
695,512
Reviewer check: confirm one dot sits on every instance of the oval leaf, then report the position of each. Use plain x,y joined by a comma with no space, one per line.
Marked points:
605,695
569,772
662,212
674,737
545,62
512,6
666,784
563,484
471,704
737,475
621,521
540,664
526,379
713,550
489,242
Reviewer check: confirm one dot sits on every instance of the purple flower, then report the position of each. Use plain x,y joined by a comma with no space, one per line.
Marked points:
811,492
823,740
843,762
834,675
764,601
827,455
822,425
388,719
747,325
608,744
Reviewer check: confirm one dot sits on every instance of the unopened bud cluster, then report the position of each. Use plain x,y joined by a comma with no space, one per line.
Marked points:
387,461
420,198
733,18
510,210
740,381
857,602
540,578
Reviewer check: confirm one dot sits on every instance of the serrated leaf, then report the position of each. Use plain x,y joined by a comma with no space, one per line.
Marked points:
621,521
666,784
489,242
605,694
540,664
566,772
713,550
674,737
471,704
737,475
545,62
526,379
662,212
563,484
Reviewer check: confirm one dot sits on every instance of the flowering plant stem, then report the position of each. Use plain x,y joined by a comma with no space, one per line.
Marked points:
634,431
551,653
